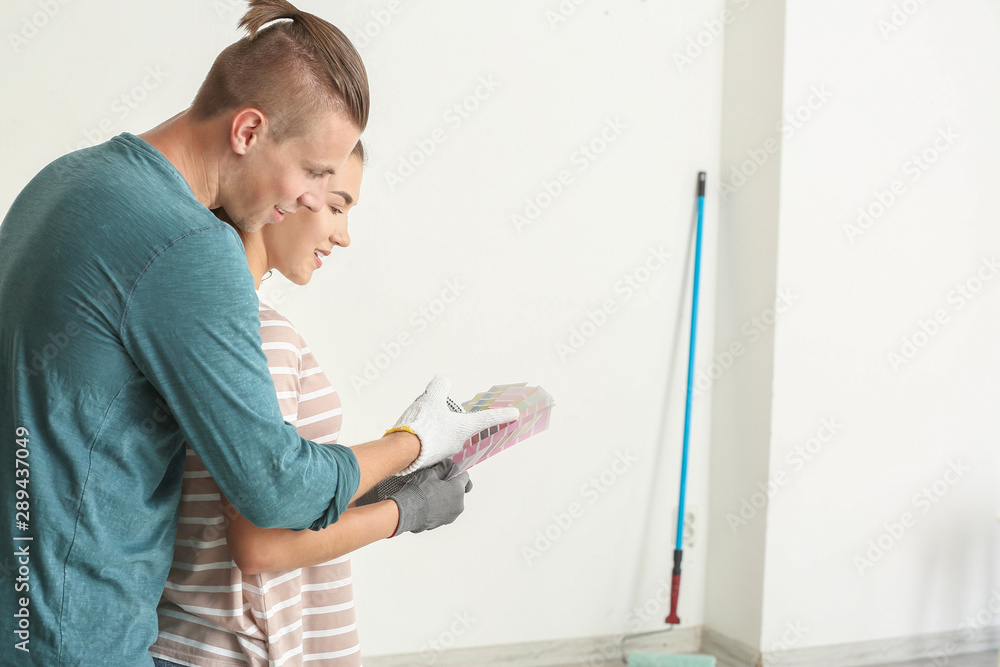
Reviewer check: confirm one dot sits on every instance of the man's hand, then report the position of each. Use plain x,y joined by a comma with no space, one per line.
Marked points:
425,498
441,431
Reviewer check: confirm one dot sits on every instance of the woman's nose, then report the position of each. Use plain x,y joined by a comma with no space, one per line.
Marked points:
340,236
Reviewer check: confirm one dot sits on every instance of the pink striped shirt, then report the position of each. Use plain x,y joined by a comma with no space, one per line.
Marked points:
212,614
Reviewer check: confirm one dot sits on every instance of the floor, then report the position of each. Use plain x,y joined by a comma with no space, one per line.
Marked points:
987,659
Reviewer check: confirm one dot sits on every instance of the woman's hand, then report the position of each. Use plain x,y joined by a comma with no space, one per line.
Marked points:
441,430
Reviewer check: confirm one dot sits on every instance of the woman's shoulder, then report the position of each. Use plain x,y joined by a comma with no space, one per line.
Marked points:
274,326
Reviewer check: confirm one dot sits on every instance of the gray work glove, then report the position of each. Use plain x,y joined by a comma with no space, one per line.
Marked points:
425,498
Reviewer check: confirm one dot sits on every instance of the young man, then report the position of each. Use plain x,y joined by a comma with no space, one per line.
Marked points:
129,324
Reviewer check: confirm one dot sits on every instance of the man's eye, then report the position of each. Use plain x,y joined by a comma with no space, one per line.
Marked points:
316,174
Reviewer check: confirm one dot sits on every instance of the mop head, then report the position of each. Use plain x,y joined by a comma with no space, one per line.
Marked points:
665,660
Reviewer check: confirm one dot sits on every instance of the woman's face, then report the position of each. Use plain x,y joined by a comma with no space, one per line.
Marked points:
299,244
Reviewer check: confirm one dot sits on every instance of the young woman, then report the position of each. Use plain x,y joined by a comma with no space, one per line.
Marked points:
238,594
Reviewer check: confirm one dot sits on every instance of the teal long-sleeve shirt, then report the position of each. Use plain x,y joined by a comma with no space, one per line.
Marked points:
128,324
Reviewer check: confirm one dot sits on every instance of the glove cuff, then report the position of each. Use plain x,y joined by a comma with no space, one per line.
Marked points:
418,463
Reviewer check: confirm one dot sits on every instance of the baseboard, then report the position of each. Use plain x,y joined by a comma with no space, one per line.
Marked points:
583,651
941,649
728,651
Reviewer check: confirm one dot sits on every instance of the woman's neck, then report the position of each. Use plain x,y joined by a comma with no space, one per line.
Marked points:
256,256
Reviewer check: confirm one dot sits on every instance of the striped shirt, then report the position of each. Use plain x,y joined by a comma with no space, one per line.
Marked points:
212,614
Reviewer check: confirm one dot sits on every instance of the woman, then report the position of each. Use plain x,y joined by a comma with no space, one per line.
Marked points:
239,594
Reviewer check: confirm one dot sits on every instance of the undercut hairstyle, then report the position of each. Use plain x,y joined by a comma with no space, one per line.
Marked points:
294,71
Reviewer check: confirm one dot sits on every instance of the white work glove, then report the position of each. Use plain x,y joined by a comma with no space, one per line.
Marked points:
441,430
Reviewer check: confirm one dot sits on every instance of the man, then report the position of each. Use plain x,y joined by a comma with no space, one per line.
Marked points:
129,324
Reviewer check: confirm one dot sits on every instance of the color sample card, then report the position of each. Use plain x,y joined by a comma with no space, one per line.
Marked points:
534,404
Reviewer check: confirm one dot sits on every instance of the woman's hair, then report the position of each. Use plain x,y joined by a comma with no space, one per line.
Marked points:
359,152
293,71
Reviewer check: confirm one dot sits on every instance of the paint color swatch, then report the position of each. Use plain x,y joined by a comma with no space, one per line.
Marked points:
534,404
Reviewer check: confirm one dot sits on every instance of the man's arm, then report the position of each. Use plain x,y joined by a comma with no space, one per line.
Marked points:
257,550
191,326
423,501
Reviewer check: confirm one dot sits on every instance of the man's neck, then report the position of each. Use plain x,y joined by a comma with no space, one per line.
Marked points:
253,246
188,146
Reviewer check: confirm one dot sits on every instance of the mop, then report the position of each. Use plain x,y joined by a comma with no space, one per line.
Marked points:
662,659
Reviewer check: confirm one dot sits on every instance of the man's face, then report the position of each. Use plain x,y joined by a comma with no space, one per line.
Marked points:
303,242
272,179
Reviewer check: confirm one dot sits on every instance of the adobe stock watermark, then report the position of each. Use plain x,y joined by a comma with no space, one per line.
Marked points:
430,652
713,29
122,107
775,654
580,160
910,345
654,606
453,118
922,501
968,628
786,127
624,289
419,321
750,332
562,12
899,16
48,347
750,506
23,539
379,21
32,24
224,8
913,169
590,492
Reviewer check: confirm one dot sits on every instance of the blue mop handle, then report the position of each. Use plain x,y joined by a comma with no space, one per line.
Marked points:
690,380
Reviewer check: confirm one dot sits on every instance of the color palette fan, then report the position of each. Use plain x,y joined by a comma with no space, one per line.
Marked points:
534,404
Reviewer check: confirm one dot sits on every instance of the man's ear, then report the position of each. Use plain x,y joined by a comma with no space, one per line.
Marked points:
247,128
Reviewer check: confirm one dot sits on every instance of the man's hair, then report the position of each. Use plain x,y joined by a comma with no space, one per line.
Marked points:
293,71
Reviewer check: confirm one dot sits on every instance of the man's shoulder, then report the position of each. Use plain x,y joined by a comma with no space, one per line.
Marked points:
128,195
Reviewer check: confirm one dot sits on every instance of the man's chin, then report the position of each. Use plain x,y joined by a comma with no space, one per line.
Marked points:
250,225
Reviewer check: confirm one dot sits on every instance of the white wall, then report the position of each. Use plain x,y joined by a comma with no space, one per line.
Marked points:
902,424
741,367
522,293
882,469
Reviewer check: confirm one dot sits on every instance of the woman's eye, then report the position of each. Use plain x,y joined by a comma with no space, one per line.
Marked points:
336,211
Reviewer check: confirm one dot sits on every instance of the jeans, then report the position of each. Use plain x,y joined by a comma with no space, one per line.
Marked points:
157,662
